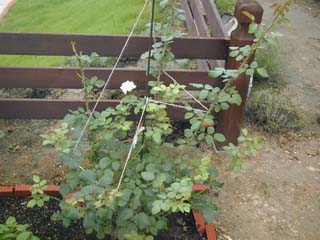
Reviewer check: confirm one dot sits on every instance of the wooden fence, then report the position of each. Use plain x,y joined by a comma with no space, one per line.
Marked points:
207,42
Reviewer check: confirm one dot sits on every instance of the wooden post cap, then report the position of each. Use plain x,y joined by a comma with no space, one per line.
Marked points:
251,6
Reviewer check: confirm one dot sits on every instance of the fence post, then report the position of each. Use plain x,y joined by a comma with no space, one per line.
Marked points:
230,121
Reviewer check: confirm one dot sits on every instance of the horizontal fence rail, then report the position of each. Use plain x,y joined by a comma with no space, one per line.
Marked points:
57,109
55,44
59,77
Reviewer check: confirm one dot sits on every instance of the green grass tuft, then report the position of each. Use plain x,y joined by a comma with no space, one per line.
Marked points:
272,112
226,6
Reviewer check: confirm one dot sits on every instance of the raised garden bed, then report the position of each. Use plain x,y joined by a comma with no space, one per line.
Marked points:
14,199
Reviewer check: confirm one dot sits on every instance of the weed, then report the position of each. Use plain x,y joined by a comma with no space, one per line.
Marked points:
269,59
226,6
272,112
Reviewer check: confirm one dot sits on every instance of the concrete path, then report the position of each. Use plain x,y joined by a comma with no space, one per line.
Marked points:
4,7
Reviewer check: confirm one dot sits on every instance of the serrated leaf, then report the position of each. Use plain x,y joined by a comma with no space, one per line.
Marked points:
216,73
209,213
254,64
148,176
250,72
99,83
188,115
219,137
115,165
157,137
24,236
262,72
209,139
203,94
11,221
106,180
188,133
36,179
104,163
64,189
210,130
195,125
234,53
239,58
125,214
31,203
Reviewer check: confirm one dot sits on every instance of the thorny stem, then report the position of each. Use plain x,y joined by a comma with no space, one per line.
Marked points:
82,75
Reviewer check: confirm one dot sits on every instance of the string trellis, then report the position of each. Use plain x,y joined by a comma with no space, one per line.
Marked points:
140,129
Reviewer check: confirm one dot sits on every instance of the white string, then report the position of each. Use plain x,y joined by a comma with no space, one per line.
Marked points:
186,91
134,142
177,106
110,75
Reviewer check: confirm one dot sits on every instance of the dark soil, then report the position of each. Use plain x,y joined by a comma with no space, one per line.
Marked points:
181,227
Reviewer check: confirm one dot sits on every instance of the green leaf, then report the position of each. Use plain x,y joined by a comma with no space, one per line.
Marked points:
216,73
209,139
89,220
219,137
11,221
195,125
210,130
188,133
209,213
36,179
106,180
2,134
157,137
250,72
203,94
254,64
64,189
201,137
262,72
31,203
245,132
124,214
104,162
115,165
234,53
196,85
24,236
43,182
99,83
40,202
156,208
89,176
205,160
148,176
239,58
253,27
188,115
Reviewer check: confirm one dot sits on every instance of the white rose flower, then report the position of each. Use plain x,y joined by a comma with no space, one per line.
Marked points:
127,86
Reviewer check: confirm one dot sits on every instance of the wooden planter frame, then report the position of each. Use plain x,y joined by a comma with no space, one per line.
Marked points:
54,190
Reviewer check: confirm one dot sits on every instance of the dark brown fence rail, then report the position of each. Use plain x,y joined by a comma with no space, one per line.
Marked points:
57,109
59,77
207,42
54,44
